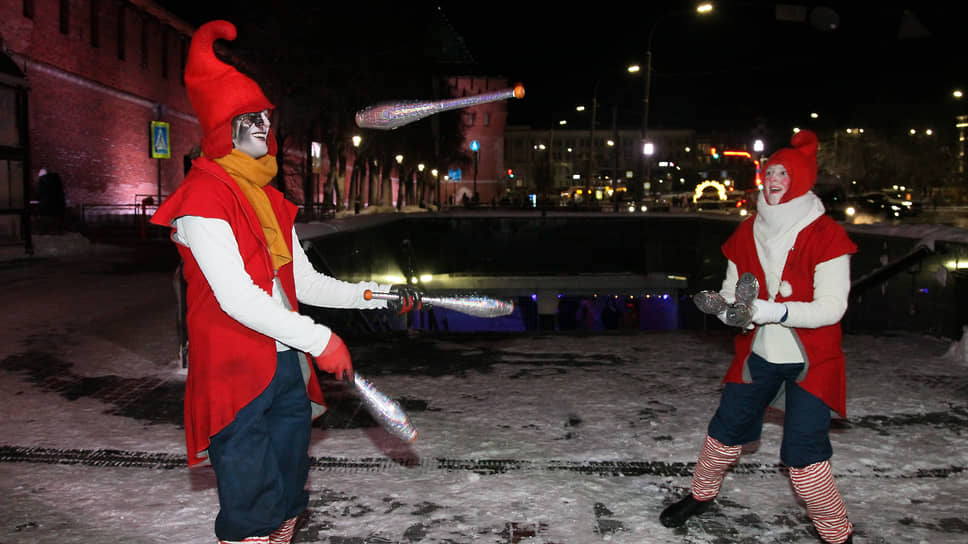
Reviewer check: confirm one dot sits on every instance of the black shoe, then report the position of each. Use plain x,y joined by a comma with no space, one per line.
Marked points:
677,513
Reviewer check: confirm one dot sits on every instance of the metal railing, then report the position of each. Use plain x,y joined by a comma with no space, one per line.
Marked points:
107,221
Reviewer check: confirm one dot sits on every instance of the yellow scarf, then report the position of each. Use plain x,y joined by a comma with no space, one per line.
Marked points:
251,175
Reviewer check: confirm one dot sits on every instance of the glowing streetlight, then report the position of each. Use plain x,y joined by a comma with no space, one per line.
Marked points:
476,148
703,9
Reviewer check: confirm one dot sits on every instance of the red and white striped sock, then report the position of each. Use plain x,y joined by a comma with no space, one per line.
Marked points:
714,460
815,485
283,535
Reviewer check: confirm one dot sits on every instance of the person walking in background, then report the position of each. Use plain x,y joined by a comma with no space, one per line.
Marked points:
251,393
51,203
790,356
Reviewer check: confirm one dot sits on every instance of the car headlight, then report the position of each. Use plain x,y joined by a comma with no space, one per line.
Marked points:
631,209
850,210
644,207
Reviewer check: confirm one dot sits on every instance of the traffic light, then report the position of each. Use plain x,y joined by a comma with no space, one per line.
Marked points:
510,172
714,152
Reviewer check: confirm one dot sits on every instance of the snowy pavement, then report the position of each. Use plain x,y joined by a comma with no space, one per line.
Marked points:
524,438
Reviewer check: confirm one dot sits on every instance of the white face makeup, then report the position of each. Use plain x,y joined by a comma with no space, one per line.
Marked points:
249,132
776,183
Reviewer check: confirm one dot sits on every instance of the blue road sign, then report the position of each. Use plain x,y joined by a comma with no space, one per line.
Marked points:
160,141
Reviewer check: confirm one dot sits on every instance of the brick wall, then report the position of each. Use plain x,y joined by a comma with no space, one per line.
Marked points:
484,123
92,98
89,109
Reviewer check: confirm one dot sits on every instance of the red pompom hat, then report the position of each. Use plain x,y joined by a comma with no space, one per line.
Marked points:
800,163
219,92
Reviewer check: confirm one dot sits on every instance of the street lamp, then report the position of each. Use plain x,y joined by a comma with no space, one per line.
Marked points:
758,147
440,203
476,148
648,149
702,9
399,159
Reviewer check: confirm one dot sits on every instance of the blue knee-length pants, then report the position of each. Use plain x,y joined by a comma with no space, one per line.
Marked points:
261,459
806,419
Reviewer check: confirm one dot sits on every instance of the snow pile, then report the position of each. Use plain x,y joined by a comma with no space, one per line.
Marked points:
69,244
959,349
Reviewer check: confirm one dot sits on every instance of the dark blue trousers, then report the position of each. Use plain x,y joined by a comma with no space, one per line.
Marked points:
806,419
261,459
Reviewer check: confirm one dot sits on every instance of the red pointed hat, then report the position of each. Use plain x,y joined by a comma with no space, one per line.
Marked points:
219,92
800,162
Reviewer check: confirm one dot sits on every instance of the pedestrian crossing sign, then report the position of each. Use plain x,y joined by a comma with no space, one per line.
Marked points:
160,142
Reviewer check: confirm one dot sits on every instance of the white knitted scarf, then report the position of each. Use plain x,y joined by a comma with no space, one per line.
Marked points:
775,230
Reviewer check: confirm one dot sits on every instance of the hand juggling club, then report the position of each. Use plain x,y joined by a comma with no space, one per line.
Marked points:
392,115
738,314
475,305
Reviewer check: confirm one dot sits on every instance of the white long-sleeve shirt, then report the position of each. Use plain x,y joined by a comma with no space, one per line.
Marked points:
217,253
831,286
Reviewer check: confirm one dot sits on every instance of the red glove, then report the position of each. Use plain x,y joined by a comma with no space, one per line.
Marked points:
409,299
335,359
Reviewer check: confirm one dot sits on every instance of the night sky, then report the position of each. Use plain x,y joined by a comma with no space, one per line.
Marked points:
734,70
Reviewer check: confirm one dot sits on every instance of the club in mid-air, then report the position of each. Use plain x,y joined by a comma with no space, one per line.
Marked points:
392,115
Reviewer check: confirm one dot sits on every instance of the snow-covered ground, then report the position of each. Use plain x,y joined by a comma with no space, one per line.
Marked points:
530,438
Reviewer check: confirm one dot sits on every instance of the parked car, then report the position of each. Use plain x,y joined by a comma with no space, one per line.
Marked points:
834,199
733,206
879,206
906,200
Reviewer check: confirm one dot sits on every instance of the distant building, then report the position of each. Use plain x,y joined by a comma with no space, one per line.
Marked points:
561,161
577,158
14,149
485,125
81,84
95,79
